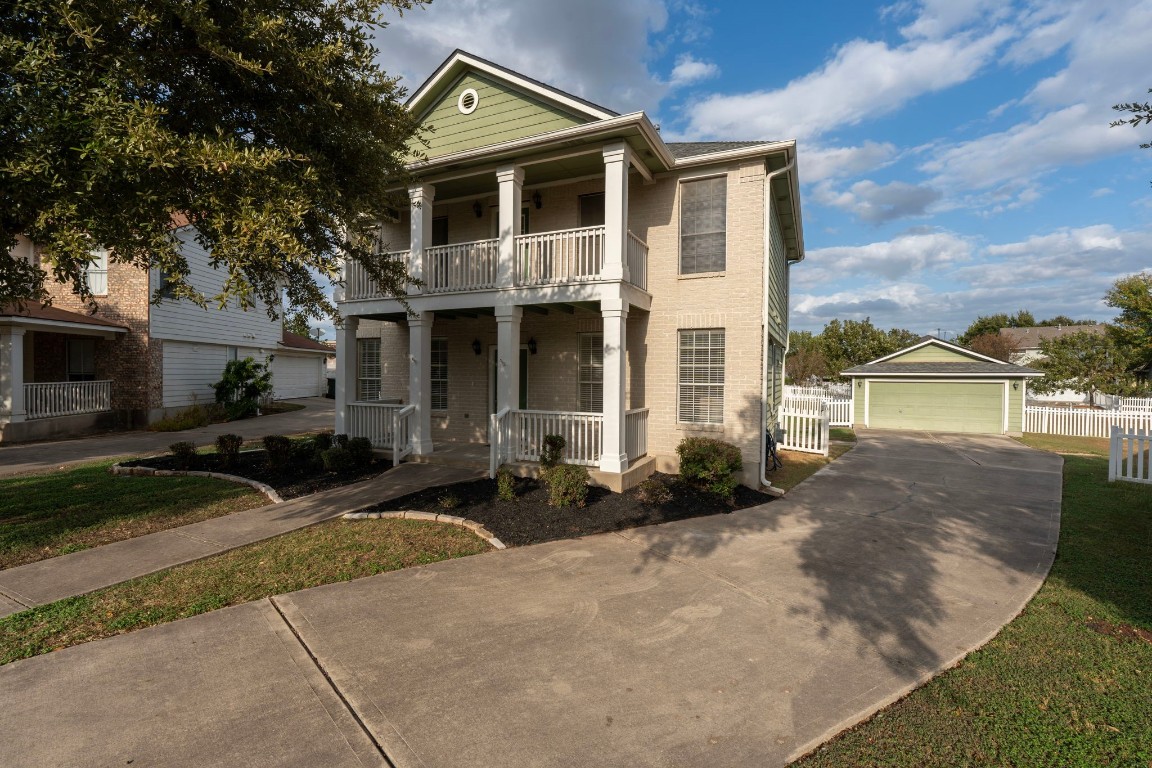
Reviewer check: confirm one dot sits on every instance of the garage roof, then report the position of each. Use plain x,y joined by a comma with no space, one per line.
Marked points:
951,361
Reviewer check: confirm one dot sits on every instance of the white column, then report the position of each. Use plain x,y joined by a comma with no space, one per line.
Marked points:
511,180
615,314
508,357
617,159
420,197
420,380
346,370
12,374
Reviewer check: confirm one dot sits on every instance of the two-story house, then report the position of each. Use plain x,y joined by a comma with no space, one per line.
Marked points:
578,276
74,367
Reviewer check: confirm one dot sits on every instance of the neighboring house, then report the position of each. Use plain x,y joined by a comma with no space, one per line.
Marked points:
581,276
1026,343
122,362
938,386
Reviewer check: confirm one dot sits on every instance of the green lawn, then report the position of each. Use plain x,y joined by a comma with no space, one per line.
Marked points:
800,466
55,513
842,433
1069,681
338,550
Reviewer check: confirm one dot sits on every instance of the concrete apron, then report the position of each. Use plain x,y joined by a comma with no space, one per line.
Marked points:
742,639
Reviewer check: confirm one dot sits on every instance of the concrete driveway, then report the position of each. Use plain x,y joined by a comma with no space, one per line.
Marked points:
19,459
735,640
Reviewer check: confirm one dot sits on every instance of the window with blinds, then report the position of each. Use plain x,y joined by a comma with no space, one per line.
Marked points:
591,372
703,216
439,374
700,374
96,273
368,369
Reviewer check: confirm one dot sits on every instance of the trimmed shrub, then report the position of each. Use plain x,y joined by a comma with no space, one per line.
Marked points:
321,441
340,441
711,465
552,451
279,450
652,491
347,455
361,450
567,485
505,485
449,501
228,449
184,453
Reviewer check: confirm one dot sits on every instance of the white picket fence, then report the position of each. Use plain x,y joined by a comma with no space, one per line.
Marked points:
829,390
839,409
1130,456
386,425
1083,422
805,422
1134,405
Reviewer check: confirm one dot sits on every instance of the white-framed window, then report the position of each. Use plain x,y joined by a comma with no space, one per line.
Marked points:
439,377
232,354
590,374
96,273
703,217
81,359
368,369
700,376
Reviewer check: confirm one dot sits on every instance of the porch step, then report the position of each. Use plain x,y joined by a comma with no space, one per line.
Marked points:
463,455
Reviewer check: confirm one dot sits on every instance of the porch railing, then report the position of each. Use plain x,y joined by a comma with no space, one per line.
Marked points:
386,425
357,283
564,256
500,439
636,433
582,434
461,267
637,261
66,398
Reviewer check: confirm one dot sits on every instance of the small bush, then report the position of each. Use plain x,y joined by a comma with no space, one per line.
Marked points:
449,501
184,453
505,485
279,450
192,417
243,385
552,451
337,459
340,441
567,485
228,449
653,491
321,441
710,464
346,455
361,450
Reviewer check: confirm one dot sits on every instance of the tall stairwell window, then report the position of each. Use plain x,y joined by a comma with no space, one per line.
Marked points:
96,273
703,221
439,374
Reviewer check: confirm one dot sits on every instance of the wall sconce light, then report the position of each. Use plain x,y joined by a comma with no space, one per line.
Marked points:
476,346
537,200
532,345
1016,384
477,209
859,383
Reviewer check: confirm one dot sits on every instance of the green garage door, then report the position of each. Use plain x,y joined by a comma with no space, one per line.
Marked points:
937,406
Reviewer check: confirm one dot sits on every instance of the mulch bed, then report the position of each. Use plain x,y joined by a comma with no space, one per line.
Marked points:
299,478
529,520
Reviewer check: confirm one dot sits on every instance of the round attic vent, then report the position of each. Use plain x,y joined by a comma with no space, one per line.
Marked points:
468,101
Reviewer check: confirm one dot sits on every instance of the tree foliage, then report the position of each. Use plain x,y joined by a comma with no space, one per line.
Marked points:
993,345
805,360
263,123
1132,329
1140,113
855,342
243,386
990,324
297,322
1085,362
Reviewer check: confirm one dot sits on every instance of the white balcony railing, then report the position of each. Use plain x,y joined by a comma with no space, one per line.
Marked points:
581,433
358,285
386,425
636,433
564,256
461,267
637,262
66,398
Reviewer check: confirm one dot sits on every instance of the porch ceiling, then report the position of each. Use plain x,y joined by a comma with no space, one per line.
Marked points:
483,183
475,312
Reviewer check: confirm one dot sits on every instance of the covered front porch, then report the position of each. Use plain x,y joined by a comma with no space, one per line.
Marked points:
50,373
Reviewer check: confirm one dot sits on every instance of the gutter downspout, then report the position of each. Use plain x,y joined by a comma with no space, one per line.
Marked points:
768,224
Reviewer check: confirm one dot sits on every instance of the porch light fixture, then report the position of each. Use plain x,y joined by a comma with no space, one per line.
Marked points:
476,346
1016,384
532,345
859,383
477,209
537,200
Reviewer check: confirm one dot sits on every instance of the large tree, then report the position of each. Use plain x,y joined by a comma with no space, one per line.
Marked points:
1133,327
1084,362
993,345
855,342
266,124
805,360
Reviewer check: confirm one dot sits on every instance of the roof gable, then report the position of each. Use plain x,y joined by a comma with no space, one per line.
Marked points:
930,349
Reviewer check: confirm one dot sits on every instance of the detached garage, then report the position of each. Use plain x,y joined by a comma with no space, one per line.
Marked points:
298,370
939,387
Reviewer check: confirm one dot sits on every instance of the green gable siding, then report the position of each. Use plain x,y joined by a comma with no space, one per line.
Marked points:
503,114
778,288
930,353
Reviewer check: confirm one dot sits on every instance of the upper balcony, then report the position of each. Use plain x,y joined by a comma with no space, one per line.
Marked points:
561,257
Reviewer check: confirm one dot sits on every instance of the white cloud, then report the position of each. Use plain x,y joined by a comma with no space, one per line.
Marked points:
939,18
876,203
690,70
819,163
1102,192
900,257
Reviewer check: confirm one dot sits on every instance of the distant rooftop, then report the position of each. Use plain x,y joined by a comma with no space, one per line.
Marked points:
1030,338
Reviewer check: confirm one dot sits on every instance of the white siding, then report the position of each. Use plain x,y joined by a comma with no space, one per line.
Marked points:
298,376
184,321
190,370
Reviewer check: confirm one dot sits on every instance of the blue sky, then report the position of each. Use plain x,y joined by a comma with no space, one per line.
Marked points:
955,155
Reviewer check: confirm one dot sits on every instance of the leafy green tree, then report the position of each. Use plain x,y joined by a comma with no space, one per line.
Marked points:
243,386
1084,362
265,124
855,342
1132,329
986,324
297,323
993,345
805,360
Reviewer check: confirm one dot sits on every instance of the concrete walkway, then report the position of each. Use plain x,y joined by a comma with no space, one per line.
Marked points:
45,581
734,640
20,459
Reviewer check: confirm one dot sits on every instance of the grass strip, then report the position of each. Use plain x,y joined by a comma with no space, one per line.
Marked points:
1069,681
338,550
50,514
800,466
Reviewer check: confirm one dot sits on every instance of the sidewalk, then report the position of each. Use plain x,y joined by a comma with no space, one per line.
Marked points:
20,459
45,581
